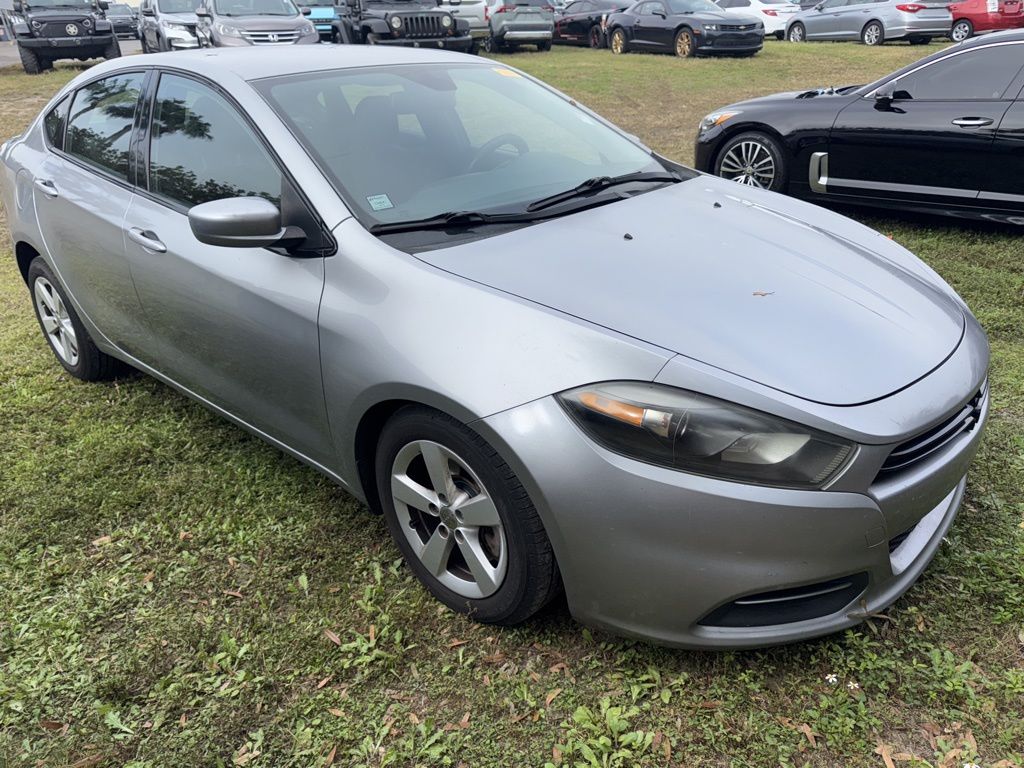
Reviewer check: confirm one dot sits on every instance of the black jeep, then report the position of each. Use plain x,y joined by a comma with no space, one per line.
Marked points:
413,23
46,30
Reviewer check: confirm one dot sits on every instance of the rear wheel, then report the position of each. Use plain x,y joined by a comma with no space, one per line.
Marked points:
491,44
29,61
684,45
462,520
919,40
594,37
872,34
780,35
68,339
544,46
962,30
618,42
797,33
754,159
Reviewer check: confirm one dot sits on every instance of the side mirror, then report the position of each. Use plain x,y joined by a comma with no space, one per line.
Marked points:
819,7
886,93
305,11
241,222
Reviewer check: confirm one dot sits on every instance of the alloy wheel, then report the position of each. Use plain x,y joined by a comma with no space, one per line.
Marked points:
684,44
750,163
618,41
449,518
56,321
960,32
872,34
796,33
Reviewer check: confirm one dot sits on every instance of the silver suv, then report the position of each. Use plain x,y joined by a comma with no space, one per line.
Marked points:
473,11
232,23
871,21
512,23
167,25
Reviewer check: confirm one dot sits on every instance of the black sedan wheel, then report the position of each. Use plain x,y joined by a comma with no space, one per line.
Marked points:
594,37
754,159
797,33
684,46
618,44
463,522
872,34
961,31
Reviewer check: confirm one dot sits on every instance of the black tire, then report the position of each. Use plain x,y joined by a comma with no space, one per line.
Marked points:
113,50
770,144
45,64
684,45
594,37
919,40
962,30
92,364
531,578
544,46
780,35
492,44
872,34
145,45
618,42
797,33
29,61
474,48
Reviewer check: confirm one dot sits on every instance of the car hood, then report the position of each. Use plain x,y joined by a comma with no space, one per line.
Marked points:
180,18
264,23
713,17
829,312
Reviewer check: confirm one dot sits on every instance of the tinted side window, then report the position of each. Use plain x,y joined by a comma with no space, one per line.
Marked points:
201,149
54,122
100,125
982,74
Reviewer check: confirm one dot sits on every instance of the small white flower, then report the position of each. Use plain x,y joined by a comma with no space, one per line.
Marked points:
853,685
971,765
831,678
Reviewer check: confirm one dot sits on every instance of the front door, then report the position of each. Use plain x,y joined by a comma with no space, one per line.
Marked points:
824,22
933,140
236,326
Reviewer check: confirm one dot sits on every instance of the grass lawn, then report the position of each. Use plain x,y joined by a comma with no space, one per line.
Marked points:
174,592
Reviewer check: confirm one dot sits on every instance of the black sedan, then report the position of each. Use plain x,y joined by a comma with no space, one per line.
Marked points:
943,135
685,28
583,22
122,17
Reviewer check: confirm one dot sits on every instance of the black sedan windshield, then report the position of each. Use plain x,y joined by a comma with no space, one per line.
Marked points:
409,143
692,6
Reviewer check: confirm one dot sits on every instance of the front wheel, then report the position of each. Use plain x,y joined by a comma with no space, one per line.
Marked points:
754,159
797,33
491,44
962,30
872,34
462,520
30,61
618,43
544,46
779,35
684,45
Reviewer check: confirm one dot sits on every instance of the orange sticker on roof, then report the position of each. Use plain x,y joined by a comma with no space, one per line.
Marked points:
506,72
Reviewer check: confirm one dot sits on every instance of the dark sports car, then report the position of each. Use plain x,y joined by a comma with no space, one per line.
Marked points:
685,28
583,22
943,135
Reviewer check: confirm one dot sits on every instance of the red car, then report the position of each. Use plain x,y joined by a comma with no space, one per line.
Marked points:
972,16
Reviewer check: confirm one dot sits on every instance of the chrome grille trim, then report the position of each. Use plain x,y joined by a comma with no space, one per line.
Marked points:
271,37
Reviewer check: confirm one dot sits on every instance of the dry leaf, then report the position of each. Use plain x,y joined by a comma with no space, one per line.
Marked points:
493,658
183,719
551,697
85,762
884,751
414,718
184,535
329,760
457,643
336,712
101,541
332,636
710,704
324,682
535,677
233,593
559,667
373,633
464,722
51,725
148,577
807,731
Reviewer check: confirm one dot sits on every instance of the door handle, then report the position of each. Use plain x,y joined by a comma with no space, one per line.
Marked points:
146,239
973,122
46,186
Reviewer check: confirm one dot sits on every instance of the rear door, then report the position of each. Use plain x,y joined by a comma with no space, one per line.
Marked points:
645,29
934,140
1002,187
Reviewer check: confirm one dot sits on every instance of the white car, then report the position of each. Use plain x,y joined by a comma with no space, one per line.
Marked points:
774,13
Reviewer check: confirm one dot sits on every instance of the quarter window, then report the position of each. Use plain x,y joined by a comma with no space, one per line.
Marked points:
100,126
54,122
201,149
985,73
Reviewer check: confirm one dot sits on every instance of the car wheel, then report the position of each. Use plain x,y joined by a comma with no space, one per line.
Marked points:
145,46
491,44
112,51
919,40
474,48
684,45
797,33
779,35
962,30
618,42
872,34
464,523
45,64
68,339
594,36
29,61
544,46
754,159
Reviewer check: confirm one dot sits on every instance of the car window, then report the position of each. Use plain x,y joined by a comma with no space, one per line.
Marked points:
833,4
655,8
54,122
741,4
100,123
201,149
984,73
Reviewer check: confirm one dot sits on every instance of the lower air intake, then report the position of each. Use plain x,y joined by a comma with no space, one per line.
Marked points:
785,606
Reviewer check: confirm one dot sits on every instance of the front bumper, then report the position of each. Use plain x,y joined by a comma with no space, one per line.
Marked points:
70,45
729,42
650,552
453,43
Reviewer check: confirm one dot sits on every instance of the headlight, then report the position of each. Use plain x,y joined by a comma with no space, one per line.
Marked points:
694,433
710,27
446,21
36,24
396,22
227,30
717,118
170,26
307,28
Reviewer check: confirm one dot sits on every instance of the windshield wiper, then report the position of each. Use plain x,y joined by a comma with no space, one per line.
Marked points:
598,183
452,220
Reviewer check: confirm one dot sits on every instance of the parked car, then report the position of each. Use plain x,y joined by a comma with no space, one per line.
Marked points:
314,244
48,30
323,14
873,22
972,16
583,22
519,22
233,23
403,23
685,28
124,20
773,13
168,25
938,136
474,13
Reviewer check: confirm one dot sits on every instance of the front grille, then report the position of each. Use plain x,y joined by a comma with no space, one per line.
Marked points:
271,37
785,606
422,25
734,42
736,27
60,29
920,447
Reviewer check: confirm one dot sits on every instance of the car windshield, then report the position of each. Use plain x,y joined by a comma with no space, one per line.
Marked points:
405,143
60,4
319,3
119,10
178,6
692,6
255,8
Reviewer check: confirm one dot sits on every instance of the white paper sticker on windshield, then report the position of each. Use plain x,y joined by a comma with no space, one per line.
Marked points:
380,202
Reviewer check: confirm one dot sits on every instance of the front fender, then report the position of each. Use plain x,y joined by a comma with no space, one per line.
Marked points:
376,27
102,25
21,29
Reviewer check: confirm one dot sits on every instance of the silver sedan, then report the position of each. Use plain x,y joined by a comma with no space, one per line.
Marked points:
713,415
